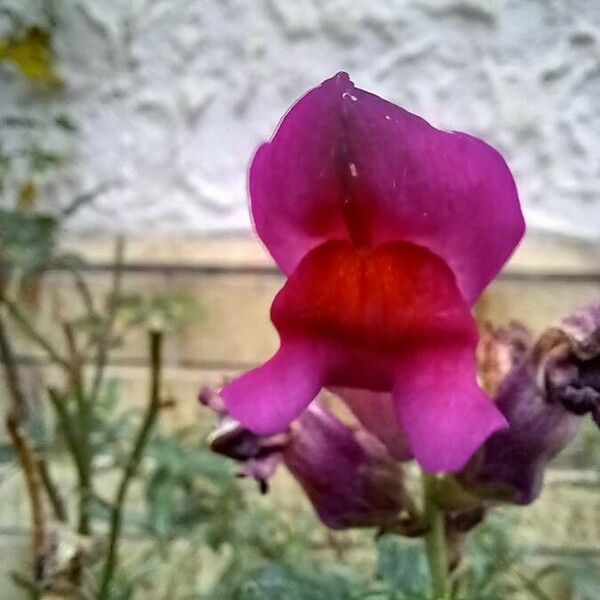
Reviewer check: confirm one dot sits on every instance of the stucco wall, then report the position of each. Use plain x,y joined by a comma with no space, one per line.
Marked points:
172,96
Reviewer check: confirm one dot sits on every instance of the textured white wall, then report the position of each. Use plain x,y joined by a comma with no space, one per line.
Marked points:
172,96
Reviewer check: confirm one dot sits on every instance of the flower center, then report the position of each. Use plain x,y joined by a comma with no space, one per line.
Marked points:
390,297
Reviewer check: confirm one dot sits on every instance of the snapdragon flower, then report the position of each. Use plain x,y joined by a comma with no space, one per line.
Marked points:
388,230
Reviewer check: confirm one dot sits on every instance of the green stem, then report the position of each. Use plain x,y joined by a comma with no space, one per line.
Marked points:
68,425
106,331
54,496
72,265
435,540
29,329
13,381
83,426
19,411
132,465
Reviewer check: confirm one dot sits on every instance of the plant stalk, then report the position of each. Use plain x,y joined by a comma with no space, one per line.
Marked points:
19,412
68,425
11,371
106,333
152,411
83,423
435,540
29,329
29,466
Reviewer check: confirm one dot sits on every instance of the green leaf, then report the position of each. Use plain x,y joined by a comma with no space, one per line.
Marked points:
403,566
27,242
43,160
65,123
171,310
277,581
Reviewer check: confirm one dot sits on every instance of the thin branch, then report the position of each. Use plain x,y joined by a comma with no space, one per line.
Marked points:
85,198
56,500
531,585
132,464
64,419
29,465
67,590
71,264
29,329
13,381
75,361
26,583
105,338
84,425
79,456
19,412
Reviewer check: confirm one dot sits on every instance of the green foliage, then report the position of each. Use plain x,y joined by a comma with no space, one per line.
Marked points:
35,135
491,560
187,488
581,575
110,426
276,581
586,452
169,310
27,241
402,567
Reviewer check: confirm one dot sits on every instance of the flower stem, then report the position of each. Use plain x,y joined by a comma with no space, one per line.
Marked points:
131,468
435,541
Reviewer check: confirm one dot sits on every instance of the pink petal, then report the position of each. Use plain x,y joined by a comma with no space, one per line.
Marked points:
294,181
376,412
347,164
444,413
267,399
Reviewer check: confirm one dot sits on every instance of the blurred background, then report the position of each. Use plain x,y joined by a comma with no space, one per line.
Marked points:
126,130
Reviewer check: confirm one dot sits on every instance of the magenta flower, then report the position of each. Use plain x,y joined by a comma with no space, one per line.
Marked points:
388,231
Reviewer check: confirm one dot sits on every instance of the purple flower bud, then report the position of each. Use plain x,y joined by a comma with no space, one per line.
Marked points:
346,472
511,464
573,375
542,397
